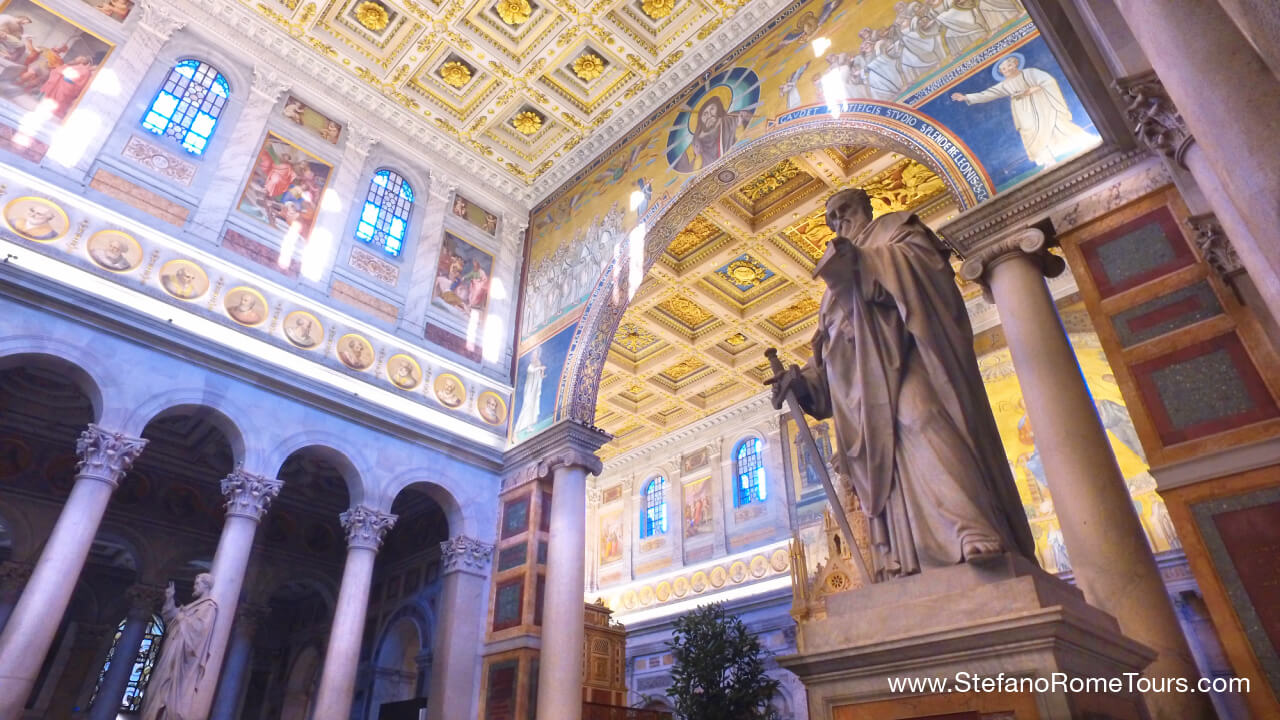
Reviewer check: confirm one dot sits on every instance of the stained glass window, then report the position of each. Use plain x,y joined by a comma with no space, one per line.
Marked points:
384,220
148,653
748,467
655,508
188,105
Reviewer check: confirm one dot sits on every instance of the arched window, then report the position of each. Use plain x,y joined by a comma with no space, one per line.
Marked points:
140,675
748,468
384,221
188,105
655,508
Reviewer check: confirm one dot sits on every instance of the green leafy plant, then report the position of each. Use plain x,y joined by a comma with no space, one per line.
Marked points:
719,669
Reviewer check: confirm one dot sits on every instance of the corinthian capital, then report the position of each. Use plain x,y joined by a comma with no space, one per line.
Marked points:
365,526
106,455
464,553
249,495
360,138
269,83
1154,118
594,496
1029,243
1214,245
159,18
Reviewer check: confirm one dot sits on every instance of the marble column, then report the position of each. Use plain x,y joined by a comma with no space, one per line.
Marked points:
455,652
238,154
365,529
320,253
1259,20
235,671
78,142
1109,554
143,601
248,497
592,579
13,576
563,614
104,458
1199,50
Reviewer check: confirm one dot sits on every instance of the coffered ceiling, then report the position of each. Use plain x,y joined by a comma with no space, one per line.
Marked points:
738,280
507,88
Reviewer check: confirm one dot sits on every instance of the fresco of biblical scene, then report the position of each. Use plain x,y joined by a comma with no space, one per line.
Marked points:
46,61
697,508
301,114
492,408
1018,436
36,219
449,390
113,250
537,384
184,279
475,214
115,9
805,470
462,279
303,329
610,537
246,306
355,352
285,186
404,372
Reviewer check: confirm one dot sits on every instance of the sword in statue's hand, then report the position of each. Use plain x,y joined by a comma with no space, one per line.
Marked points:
811,448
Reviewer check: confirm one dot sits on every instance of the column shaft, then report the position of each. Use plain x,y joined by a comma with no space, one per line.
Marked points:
226,702
455,655
106,705
1197,50
1109,553
563,615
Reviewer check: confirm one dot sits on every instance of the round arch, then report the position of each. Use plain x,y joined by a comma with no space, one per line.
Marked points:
76,363
443,492
914,137
229,419
331,448
300,684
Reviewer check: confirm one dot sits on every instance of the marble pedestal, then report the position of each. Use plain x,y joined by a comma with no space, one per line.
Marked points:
1006,617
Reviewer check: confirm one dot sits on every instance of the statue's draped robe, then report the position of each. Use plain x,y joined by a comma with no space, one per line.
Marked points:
894,368
188,637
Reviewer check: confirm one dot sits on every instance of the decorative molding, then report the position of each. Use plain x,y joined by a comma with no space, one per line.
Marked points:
565,444
373,266
268,83
1154,118
159,18
106,456
465,554
692,431
366,527
159,161
1214,245
249,495
594,497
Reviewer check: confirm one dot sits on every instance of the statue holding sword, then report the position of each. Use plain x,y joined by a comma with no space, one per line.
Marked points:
894,369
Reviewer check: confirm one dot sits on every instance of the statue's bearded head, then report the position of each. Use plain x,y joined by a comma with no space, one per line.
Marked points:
202,585
848,212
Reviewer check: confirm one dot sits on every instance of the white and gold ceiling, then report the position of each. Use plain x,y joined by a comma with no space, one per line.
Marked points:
738,280
512,86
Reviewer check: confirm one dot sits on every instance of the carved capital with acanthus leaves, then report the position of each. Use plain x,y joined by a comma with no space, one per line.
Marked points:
106,455
594,497
1154,118
160,18
1214,245
462,553
366,527
143,600
269,83
360,138
249,495
1028,244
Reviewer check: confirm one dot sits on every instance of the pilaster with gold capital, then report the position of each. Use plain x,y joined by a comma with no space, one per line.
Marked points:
464,554
248,495
366,527
106,456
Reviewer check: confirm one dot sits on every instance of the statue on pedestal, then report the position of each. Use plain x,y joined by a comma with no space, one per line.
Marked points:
893,367
188,636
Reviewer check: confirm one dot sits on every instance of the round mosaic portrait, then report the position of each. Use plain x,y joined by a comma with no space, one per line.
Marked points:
404,372
113,250
303,329
355,352
449,390
492,408
36,218
184,279
245,305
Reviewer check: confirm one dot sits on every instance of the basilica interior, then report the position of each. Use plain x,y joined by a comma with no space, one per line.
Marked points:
424,360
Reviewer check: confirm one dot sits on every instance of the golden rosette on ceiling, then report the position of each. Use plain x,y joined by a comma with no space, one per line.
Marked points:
745,272
588,66
527,122
455,73
514,12
372,15
658,9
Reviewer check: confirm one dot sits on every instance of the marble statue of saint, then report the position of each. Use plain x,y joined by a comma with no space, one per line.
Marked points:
188,636
894,369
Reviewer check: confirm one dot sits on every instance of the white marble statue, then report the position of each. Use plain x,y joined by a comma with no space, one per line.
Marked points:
188,636
893,367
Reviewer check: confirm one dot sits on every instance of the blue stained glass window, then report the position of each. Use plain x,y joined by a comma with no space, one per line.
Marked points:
384,220
140,675
748,467
654,521
188,105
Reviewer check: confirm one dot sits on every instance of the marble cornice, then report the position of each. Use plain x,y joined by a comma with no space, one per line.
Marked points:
566,443
1032,200
688,432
